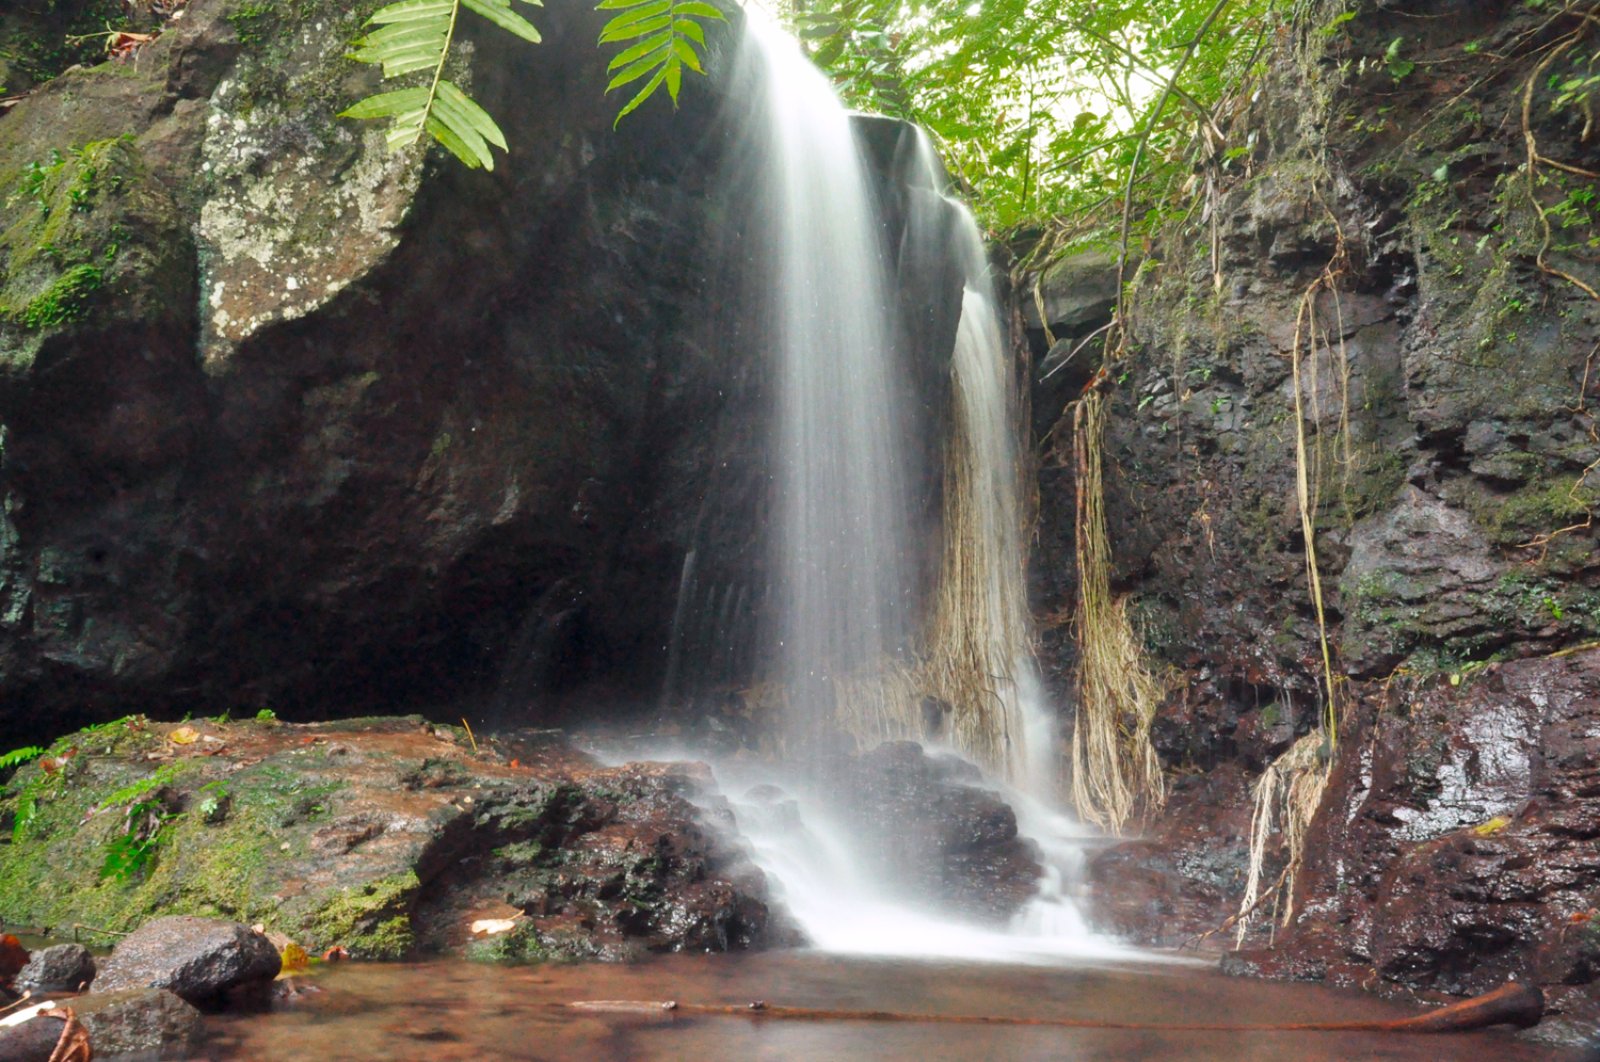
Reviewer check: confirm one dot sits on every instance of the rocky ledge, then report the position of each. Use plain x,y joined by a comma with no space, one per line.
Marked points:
384,837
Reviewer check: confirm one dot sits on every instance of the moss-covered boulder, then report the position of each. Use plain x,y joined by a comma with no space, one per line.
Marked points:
385,837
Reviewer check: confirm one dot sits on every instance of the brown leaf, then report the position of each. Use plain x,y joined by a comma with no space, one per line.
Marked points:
74,1043
13,957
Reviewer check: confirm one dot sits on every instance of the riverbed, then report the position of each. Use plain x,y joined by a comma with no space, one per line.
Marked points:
445,1011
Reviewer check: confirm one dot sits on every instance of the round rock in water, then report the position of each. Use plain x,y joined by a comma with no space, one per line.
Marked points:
197,958
62,968
138,1023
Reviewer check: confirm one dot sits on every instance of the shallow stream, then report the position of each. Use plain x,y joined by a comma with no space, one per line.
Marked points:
456,1011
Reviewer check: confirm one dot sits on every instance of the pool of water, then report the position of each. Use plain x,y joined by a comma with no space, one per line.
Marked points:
457,1011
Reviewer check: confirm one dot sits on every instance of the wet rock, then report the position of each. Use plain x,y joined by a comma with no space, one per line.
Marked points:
936,832
1078,294
139,1023
60,968
1182,876
1456,850
387,837
608,865
200,959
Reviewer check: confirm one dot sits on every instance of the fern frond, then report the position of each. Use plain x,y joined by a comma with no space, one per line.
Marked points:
660,38
416,35
17,757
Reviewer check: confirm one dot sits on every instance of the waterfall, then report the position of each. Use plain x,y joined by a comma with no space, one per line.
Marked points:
889,618
857,647
839,467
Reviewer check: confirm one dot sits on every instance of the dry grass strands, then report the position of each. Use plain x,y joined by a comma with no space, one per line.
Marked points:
1114,767
1286,797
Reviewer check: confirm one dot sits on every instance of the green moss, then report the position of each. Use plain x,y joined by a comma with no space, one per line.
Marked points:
371,922
64,300
521,945
1540,508
59,246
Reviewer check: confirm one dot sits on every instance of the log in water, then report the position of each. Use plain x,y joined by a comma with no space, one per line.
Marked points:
1513,1003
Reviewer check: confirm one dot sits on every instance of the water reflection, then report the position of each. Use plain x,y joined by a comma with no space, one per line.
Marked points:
458,1011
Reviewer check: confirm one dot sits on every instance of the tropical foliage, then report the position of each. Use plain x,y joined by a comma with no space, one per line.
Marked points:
659,38
1044,107
415,36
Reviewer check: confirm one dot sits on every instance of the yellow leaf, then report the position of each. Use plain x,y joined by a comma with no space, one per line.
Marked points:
184,735
294,958
1492,827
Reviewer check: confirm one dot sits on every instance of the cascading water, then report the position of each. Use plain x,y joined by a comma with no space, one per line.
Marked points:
839,467
859,648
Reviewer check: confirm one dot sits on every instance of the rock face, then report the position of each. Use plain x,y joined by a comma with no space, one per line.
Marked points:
386,837
200,959
936,832
1446,406
290,420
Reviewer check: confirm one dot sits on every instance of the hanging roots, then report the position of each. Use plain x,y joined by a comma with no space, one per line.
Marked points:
1286,797
1114,767
979,638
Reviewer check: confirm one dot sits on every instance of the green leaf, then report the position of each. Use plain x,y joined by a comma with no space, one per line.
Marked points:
387,104
639,50
413,11
475,155
416,35
620,30
661,38
17,757
644,94
471,115
505,18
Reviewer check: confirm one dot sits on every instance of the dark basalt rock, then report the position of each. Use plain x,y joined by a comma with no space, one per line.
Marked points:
933,831
60,968
199,959
1453,408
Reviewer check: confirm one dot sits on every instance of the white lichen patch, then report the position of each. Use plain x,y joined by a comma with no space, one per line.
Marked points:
295,211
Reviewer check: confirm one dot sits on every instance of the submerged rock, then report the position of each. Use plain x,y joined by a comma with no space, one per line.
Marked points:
139,1023
200,959
935,831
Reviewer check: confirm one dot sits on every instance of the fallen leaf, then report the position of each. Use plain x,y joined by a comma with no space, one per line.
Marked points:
28,1013
74,1043
13,957
335,954
1492,827
295,959
184,735
490,926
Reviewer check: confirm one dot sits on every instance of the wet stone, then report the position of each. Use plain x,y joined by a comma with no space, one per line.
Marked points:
199,959
62,968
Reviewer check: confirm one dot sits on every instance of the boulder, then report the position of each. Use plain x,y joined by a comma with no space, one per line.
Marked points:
937,832
200,959
61,968
385,837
